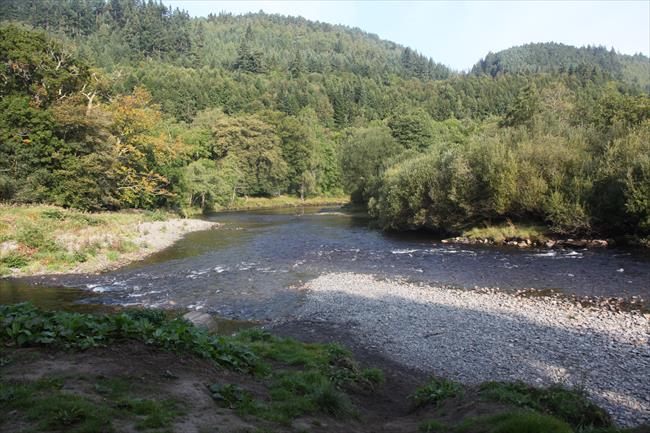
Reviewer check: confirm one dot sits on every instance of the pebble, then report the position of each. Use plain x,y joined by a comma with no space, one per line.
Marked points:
606,353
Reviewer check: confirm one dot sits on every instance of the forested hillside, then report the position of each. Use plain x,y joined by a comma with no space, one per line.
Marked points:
559,58
125,103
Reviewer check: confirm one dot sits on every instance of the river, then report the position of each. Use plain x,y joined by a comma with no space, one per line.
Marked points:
251,268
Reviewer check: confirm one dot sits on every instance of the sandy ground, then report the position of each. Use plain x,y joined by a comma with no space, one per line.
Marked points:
149,237
129,242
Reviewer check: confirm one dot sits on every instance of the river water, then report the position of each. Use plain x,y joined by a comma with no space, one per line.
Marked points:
252,266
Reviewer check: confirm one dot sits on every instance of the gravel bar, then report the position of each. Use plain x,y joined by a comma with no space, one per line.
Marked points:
474,336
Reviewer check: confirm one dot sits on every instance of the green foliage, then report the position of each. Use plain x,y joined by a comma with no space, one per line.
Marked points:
570,406
254,149
14,260
154,414
230,395
585,62
125,103
515,422
38,66
413,130
373,375
24,325
432,426
299,378
51,407
435,391
363,157
572,178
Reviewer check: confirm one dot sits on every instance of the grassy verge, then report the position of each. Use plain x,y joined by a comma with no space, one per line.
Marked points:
252,203
504,232
297,379
49,239
47,406
521,408
267,382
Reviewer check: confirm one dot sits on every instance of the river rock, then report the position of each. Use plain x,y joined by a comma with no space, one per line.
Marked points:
202,320
8,247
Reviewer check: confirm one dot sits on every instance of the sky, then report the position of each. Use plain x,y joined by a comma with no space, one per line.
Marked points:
459,33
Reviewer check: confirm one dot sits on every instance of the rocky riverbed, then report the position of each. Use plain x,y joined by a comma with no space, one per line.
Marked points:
475,336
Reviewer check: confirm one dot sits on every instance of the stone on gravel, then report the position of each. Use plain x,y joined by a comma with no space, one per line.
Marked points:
480,335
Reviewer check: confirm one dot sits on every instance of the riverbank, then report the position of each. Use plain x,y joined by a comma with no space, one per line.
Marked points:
527,236
476,336
282,201
36,240
140,370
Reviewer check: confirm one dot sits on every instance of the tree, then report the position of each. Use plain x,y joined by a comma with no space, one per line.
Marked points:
363,159
248,59
140,152
38,66
297,66
412,129
524,107
255,147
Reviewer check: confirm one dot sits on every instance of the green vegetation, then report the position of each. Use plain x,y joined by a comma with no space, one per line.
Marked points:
46,403
24,324
298,378
312,382
126,103
553,57
435,392
284,201
51,239
502,232
514,422
263,379
568,405
579,170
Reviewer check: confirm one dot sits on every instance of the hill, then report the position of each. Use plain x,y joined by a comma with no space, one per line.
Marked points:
554,57
126,103
137,29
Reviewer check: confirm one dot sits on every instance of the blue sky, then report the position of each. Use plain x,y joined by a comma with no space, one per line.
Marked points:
460,33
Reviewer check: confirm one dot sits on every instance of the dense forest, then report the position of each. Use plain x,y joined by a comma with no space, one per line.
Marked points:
110,104
560,58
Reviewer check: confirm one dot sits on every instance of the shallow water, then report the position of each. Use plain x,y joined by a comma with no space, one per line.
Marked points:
249,268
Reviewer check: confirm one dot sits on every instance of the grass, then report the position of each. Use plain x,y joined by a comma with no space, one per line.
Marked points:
435,391
501,233
298,378
568,405
50,407
45,239
305,379
514,421
518,421
274,380
251,203
432,426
